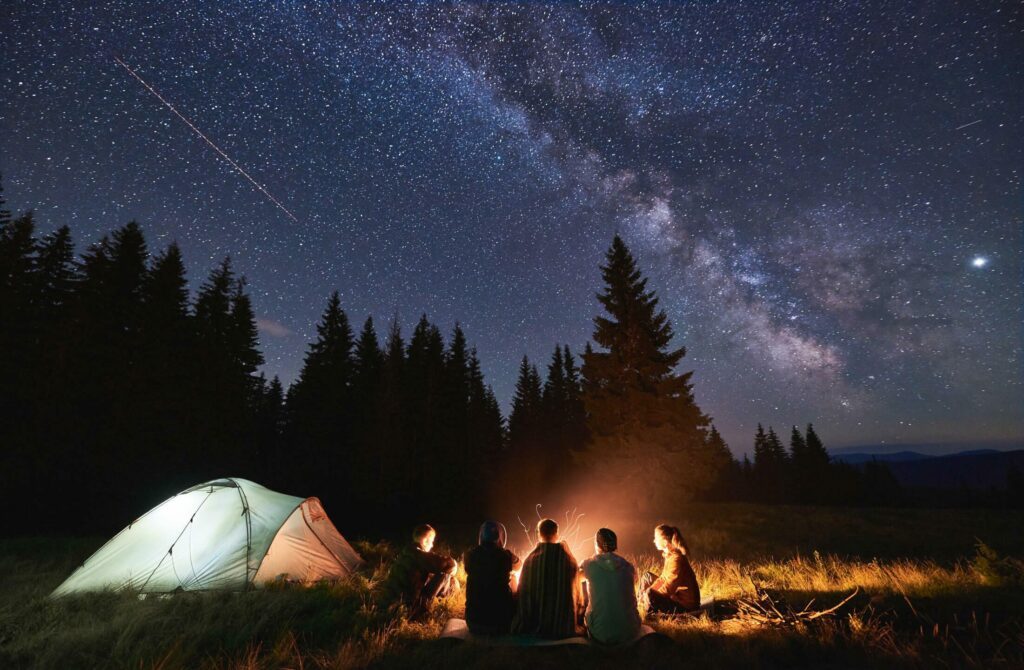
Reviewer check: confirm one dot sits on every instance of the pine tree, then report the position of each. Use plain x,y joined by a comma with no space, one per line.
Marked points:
575,422
243,336
169,368
819,471
17,344
270,433
524,422
770,464
319,407
368,361
729,479
647,432
816,452
213,307
800,482
57,275
393,472
423,380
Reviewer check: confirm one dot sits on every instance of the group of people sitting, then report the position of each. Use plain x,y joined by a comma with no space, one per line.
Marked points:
548,594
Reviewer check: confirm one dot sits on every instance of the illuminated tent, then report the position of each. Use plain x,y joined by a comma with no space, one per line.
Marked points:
224,534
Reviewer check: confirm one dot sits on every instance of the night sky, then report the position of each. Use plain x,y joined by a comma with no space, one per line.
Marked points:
827,199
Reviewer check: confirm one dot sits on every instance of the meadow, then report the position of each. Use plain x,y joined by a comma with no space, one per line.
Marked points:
915,588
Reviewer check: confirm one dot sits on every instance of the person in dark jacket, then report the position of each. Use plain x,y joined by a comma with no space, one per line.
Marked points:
676,589
548,588
490,567
418,575
610,581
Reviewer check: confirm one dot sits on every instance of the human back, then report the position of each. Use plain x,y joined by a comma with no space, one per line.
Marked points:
490,602
547,588
612,615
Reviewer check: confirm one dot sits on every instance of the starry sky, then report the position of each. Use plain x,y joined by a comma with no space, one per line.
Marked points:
826,196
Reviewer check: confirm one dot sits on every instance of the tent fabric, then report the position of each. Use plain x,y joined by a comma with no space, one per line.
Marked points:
218,535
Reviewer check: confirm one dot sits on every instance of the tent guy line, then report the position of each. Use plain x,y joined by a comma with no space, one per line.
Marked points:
206,139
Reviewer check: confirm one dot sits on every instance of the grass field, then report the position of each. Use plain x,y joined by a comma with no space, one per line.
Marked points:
925,595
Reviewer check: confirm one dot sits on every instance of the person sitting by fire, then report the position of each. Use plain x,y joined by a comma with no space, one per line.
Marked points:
490,582
418,576
676,589
548,588
610,580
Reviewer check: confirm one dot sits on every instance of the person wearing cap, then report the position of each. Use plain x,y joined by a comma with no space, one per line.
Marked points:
490,581
612,615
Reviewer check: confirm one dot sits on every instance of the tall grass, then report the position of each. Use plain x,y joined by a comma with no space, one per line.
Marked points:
912,611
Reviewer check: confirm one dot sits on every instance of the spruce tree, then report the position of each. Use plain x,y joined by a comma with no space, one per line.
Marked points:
819,469
169,367
524,422
319,407
575,422
17,345
800,479
647,432
553,438
57,275
213,308
366,380
395,472
729,478
423,384
243,336
816,452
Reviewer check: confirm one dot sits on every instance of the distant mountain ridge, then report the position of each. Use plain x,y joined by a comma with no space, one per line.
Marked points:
929,449
898,457
975,469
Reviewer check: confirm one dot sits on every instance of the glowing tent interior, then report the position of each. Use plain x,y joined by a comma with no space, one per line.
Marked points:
223,534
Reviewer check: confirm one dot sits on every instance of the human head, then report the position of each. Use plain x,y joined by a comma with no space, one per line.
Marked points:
666,537
492,532
424,535
547,530
605,541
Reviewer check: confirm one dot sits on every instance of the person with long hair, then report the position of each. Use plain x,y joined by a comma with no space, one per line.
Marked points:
676,589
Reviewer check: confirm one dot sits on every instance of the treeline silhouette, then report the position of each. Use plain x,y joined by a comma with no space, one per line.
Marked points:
804,474
118,388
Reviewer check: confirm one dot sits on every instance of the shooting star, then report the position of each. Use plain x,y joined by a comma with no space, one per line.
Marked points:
206,139
967,125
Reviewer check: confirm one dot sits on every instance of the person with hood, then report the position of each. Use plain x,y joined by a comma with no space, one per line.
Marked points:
418,575
676,589
610,580
548,588
490,574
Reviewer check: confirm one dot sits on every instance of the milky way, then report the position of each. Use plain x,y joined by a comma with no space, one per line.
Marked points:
809,188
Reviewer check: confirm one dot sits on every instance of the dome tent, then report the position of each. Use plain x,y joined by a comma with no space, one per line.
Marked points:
223,534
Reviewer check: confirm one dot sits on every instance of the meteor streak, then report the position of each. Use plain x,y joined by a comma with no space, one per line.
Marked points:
967,125
206,139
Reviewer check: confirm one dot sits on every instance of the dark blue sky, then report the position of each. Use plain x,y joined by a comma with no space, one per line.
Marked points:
827,200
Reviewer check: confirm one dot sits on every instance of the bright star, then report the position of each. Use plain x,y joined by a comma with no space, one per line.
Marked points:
979,261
